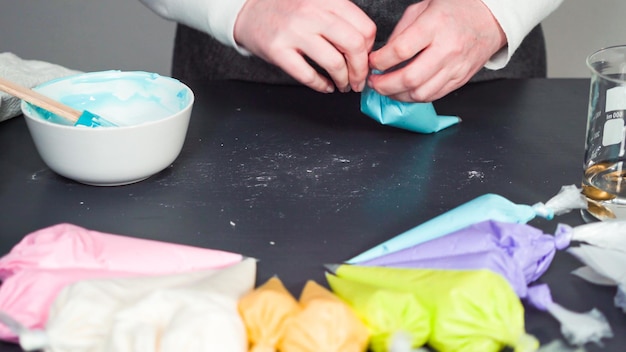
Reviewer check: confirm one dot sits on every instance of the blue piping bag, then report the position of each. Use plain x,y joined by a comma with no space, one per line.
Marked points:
416,117
486,207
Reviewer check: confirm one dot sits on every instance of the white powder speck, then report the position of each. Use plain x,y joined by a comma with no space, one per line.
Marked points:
232,223
475,174
272,243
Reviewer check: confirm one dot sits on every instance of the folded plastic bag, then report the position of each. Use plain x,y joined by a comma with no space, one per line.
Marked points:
265,312
391,316
559,346
603,266
605,256
486,207
324,323
578,329
194,311
605,234
71,246
416,117
471,310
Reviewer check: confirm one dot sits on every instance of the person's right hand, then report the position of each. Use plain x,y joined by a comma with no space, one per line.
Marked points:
335,34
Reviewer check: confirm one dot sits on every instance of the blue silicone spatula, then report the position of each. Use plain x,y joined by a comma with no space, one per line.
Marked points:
78,118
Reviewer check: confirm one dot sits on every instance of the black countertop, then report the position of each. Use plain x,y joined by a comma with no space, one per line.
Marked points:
298,179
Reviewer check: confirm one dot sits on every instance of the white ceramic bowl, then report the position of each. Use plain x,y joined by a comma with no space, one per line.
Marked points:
152,113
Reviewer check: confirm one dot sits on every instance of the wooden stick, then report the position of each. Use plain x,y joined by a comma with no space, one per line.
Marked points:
39,100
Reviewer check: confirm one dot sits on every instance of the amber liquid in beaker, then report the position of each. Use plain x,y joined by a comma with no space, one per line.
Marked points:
604,185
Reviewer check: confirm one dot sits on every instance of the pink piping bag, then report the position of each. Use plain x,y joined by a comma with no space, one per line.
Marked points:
71,246
519,252
486,207
45,261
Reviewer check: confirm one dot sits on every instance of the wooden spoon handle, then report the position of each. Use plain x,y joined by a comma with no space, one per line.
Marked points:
39,100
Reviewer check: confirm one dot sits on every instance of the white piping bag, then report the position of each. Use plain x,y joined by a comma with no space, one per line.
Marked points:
194,311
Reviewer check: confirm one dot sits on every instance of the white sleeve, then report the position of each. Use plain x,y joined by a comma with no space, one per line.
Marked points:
214,17
517,18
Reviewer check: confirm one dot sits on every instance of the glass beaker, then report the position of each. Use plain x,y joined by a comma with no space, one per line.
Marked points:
604,180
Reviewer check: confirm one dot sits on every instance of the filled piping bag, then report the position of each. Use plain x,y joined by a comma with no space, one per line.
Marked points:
470,310
194,311
319,321
45,261
265,312
28,294
392,317
486,207
71,246
415,117
324,323
518,252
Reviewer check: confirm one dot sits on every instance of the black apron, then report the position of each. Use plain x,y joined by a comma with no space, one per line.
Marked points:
199,56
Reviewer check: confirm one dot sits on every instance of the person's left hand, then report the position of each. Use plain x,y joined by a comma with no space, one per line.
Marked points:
441,44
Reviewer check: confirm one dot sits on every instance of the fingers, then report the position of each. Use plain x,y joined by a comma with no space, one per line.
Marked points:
425,78
335,34
432,89
436,46
435,49
354,47
339,51
324,54
415,76
409,37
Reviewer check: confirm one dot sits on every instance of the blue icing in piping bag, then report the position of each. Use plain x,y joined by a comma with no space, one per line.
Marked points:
416,117
486,207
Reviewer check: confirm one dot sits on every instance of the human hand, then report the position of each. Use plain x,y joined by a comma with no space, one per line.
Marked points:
335,34
445,42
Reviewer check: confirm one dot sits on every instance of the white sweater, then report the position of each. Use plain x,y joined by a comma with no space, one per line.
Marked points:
217,18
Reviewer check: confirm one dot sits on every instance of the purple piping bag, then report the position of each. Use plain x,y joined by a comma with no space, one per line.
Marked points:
494,260
529,248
